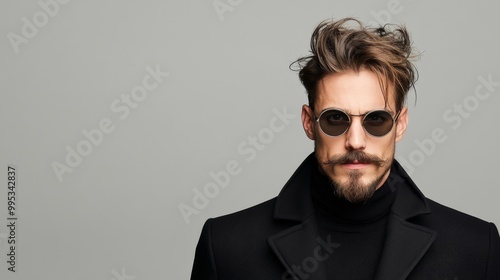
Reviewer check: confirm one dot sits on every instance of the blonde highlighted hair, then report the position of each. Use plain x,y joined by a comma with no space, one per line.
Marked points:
338,47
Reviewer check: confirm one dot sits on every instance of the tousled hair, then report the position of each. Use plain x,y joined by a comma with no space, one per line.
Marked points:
337,47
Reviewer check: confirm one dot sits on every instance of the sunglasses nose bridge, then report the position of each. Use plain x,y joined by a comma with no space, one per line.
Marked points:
356,123
356,133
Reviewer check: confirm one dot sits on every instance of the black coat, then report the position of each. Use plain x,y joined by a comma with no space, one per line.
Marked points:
424,240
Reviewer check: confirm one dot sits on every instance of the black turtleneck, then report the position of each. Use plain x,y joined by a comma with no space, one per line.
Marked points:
358,228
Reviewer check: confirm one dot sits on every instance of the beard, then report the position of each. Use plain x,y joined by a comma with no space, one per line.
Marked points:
354,189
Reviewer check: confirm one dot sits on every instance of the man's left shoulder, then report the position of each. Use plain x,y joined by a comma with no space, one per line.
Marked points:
462,241
446,219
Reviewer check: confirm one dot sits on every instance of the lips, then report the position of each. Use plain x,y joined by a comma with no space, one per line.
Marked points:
355,164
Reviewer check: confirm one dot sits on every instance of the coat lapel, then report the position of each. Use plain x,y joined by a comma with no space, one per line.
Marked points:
302,251
298,247
405,243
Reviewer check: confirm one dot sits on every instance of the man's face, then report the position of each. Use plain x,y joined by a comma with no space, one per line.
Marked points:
356,162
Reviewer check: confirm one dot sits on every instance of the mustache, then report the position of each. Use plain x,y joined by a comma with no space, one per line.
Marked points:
353,156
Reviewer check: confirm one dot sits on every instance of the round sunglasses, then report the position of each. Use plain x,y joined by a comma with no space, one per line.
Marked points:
335,122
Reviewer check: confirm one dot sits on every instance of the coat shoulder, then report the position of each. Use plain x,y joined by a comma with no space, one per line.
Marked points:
464,245
456,227
450,216
253,217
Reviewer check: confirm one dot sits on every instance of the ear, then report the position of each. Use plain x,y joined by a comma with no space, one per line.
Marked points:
308,121
401,124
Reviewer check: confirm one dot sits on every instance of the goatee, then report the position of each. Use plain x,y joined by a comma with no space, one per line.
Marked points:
354,190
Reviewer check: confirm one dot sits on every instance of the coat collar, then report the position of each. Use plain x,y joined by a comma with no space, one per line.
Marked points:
294,201
406,243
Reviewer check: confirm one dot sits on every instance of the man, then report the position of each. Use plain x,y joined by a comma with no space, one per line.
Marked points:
350,211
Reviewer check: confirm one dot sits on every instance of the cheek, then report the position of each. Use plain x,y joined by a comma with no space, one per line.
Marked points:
384,147
326,147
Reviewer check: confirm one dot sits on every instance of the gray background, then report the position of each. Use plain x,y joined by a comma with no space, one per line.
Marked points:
116,215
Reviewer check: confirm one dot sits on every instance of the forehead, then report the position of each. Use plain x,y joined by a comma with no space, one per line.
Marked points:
354,92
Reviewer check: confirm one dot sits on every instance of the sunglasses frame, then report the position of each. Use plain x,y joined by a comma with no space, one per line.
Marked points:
394,119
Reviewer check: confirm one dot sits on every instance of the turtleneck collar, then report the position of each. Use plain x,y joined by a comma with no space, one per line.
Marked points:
345,212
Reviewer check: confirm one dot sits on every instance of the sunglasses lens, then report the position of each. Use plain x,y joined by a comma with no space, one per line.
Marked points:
378,123
334,122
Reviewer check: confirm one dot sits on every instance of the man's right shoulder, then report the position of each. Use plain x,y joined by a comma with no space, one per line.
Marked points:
255,224
260,213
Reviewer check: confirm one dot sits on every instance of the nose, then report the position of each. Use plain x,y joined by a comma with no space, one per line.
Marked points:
355,135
